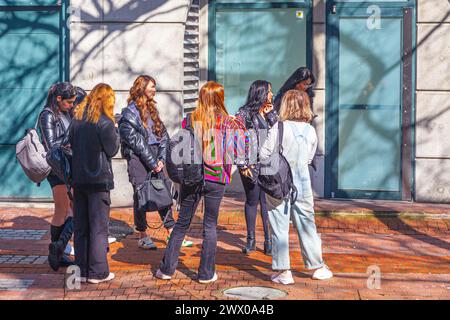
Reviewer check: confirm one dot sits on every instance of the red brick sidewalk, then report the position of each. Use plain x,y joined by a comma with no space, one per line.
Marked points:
412,253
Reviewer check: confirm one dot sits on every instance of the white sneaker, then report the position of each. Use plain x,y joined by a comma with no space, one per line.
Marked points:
322,273
162,276
111,240
108,278
83,279
69,250
283,277
214,278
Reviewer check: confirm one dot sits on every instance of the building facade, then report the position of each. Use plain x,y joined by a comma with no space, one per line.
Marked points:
382,93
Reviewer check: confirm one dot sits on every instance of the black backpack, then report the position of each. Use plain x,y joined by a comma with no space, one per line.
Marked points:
183,164
280,183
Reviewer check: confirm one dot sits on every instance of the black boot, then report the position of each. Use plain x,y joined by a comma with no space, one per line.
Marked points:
268,247
251,243
53,260
57,247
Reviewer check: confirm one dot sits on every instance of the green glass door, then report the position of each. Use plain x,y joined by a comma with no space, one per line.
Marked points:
257,41
30,61
365,97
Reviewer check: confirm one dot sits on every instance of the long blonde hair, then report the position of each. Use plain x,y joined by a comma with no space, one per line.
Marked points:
295,106
99,101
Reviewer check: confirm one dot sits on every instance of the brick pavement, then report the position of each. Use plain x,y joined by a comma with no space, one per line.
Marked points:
411,251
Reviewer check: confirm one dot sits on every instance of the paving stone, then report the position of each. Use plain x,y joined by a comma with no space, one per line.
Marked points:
15,284
413,256
22,259
22,234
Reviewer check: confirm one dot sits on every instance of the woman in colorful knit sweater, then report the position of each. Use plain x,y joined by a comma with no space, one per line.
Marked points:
223,140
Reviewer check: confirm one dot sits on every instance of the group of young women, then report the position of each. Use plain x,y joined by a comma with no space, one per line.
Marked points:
94,136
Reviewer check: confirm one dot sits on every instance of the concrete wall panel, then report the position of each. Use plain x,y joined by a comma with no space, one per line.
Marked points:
134,49
319,121
433,57
148,11
122,194
86,10
86,59
433,11
433,180
319,13
433,118
319,55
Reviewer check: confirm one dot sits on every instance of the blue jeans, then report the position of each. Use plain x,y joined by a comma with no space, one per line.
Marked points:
190,198
302,213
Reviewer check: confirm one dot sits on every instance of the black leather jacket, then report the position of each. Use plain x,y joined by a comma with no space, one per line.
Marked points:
134,137
52,128
93,145
256,124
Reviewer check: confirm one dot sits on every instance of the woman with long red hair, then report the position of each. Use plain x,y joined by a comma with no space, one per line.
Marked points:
216,129
144,141
94,140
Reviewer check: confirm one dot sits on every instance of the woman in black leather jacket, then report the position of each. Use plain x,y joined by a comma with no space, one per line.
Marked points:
144,141
258,115
54,122
94,140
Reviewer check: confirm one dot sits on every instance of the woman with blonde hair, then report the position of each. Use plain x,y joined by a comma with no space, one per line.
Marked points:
222,137
144,141
94,140
299,143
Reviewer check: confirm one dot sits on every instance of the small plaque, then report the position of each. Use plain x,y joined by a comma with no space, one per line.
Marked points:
299,14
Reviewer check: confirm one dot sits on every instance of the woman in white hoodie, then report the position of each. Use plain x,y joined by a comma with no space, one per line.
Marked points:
299,146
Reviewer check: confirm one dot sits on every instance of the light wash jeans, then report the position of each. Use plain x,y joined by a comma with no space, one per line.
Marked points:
302,213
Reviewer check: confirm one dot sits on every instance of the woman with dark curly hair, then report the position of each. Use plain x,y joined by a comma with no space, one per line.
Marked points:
144,141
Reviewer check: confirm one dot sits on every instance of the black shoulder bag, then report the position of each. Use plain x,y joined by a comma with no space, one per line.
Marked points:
154,194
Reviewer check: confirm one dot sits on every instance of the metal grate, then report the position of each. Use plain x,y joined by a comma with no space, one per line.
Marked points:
191,58
254,293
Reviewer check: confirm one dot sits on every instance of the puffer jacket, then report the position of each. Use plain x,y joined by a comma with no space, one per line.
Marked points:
93,145
52,128
134,137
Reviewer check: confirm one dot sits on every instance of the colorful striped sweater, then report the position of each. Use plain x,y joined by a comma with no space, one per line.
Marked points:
228,145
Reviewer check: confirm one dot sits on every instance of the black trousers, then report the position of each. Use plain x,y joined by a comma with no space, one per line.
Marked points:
254,196
190,197
140,215
137,174
90,222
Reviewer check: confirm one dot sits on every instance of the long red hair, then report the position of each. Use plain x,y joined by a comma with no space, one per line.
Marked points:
147,107
210,104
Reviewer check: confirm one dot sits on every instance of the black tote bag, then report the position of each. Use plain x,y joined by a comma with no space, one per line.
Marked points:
154,194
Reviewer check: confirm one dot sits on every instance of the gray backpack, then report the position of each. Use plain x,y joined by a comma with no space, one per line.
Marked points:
31,155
